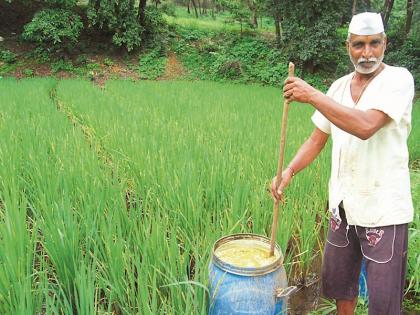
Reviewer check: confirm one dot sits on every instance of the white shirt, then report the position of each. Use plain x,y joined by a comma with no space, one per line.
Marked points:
371,176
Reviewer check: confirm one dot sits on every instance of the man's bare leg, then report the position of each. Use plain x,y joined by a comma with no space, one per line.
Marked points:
346,307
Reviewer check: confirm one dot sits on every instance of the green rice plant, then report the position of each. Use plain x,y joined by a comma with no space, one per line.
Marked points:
413,267
20,288
413,143
328,307
209,174
119,194
64,192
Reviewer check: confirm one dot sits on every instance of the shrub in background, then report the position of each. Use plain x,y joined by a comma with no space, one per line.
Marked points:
7,56
54,29
151,65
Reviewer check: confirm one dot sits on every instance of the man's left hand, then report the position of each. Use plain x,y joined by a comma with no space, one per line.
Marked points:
296,89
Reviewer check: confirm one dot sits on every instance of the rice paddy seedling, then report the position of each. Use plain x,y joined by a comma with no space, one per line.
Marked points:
201,149
121,219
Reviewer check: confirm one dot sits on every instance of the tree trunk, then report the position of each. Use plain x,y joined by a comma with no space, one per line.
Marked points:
353,8
205,6
199,7
188,7
410,9
195,8
368,5
388,4
277,21
253,8
141,14
255,20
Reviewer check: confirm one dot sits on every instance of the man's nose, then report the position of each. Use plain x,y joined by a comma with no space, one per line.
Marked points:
367,51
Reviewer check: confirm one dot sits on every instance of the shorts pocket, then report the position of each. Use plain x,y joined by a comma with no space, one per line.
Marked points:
337,232
377,244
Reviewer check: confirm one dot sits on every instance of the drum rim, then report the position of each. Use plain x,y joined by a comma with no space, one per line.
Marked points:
243,271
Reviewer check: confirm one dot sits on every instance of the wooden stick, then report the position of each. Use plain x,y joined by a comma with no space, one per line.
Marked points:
280,165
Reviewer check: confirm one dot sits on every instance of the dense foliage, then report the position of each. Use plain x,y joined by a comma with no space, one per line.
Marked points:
310,37
53,28
403,49
247,59
309,32
119,18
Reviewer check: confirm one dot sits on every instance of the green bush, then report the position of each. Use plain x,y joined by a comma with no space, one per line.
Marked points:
406,55
156,29
53,29
62,65
311,39
28,72
129,35
108,62
82,59
151,65
7,56
226,57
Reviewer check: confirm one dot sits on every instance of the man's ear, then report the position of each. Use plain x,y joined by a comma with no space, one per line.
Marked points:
347,46
385,42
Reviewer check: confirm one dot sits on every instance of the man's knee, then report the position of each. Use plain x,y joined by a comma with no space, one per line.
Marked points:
346,307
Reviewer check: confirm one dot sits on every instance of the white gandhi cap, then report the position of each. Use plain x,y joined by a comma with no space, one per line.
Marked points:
367,23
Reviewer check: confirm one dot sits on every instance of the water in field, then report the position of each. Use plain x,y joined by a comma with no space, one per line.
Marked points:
246,254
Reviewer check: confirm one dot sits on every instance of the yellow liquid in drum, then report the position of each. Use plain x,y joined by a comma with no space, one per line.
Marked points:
246,253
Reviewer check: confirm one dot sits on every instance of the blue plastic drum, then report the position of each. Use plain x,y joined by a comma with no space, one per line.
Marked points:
239,291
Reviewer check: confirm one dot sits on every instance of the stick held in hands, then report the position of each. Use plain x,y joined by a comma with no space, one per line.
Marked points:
280,165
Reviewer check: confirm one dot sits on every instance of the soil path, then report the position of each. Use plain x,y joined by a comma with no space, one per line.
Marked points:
173,69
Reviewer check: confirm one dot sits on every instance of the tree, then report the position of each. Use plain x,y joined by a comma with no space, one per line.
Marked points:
195,8
410,10
252,5
130,25
388,4
310,33
277,21
240,13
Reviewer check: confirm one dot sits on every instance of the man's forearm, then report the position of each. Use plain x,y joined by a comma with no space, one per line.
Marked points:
353,121
307,153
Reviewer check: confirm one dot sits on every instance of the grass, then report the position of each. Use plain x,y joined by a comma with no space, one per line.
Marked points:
221,22
131,231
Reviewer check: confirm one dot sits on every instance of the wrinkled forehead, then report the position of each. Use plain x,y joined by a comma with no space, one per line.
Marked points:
365,38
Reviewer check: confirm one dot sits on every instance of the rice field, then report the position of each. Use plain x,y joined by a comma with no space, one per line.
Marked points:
111,199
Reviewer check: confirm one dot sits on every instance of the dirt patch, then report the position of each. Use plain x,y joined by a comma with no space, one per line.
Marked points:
308,296
173,69
305,300
115,71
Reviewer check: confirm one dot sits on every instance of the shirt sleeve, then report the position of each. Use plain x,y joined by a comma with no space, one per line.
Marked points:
321,122
398,97
318,119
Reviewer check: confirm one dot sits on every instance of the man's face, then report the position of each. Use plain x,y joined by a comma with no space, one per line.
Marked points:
366,51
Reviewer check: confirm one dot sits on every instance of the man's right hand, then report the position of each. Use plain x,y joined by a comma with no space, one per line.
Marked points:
277,192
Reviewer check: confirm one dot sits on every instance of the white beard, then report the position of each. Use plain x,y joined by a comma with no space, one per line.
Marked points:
359,65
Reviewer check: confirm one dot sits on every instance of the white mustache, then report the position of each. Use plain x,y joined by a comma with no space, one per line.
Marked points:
365,60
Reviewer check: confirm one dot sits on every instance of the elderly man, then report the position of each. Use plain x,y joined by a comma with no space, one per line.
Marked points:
368,115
